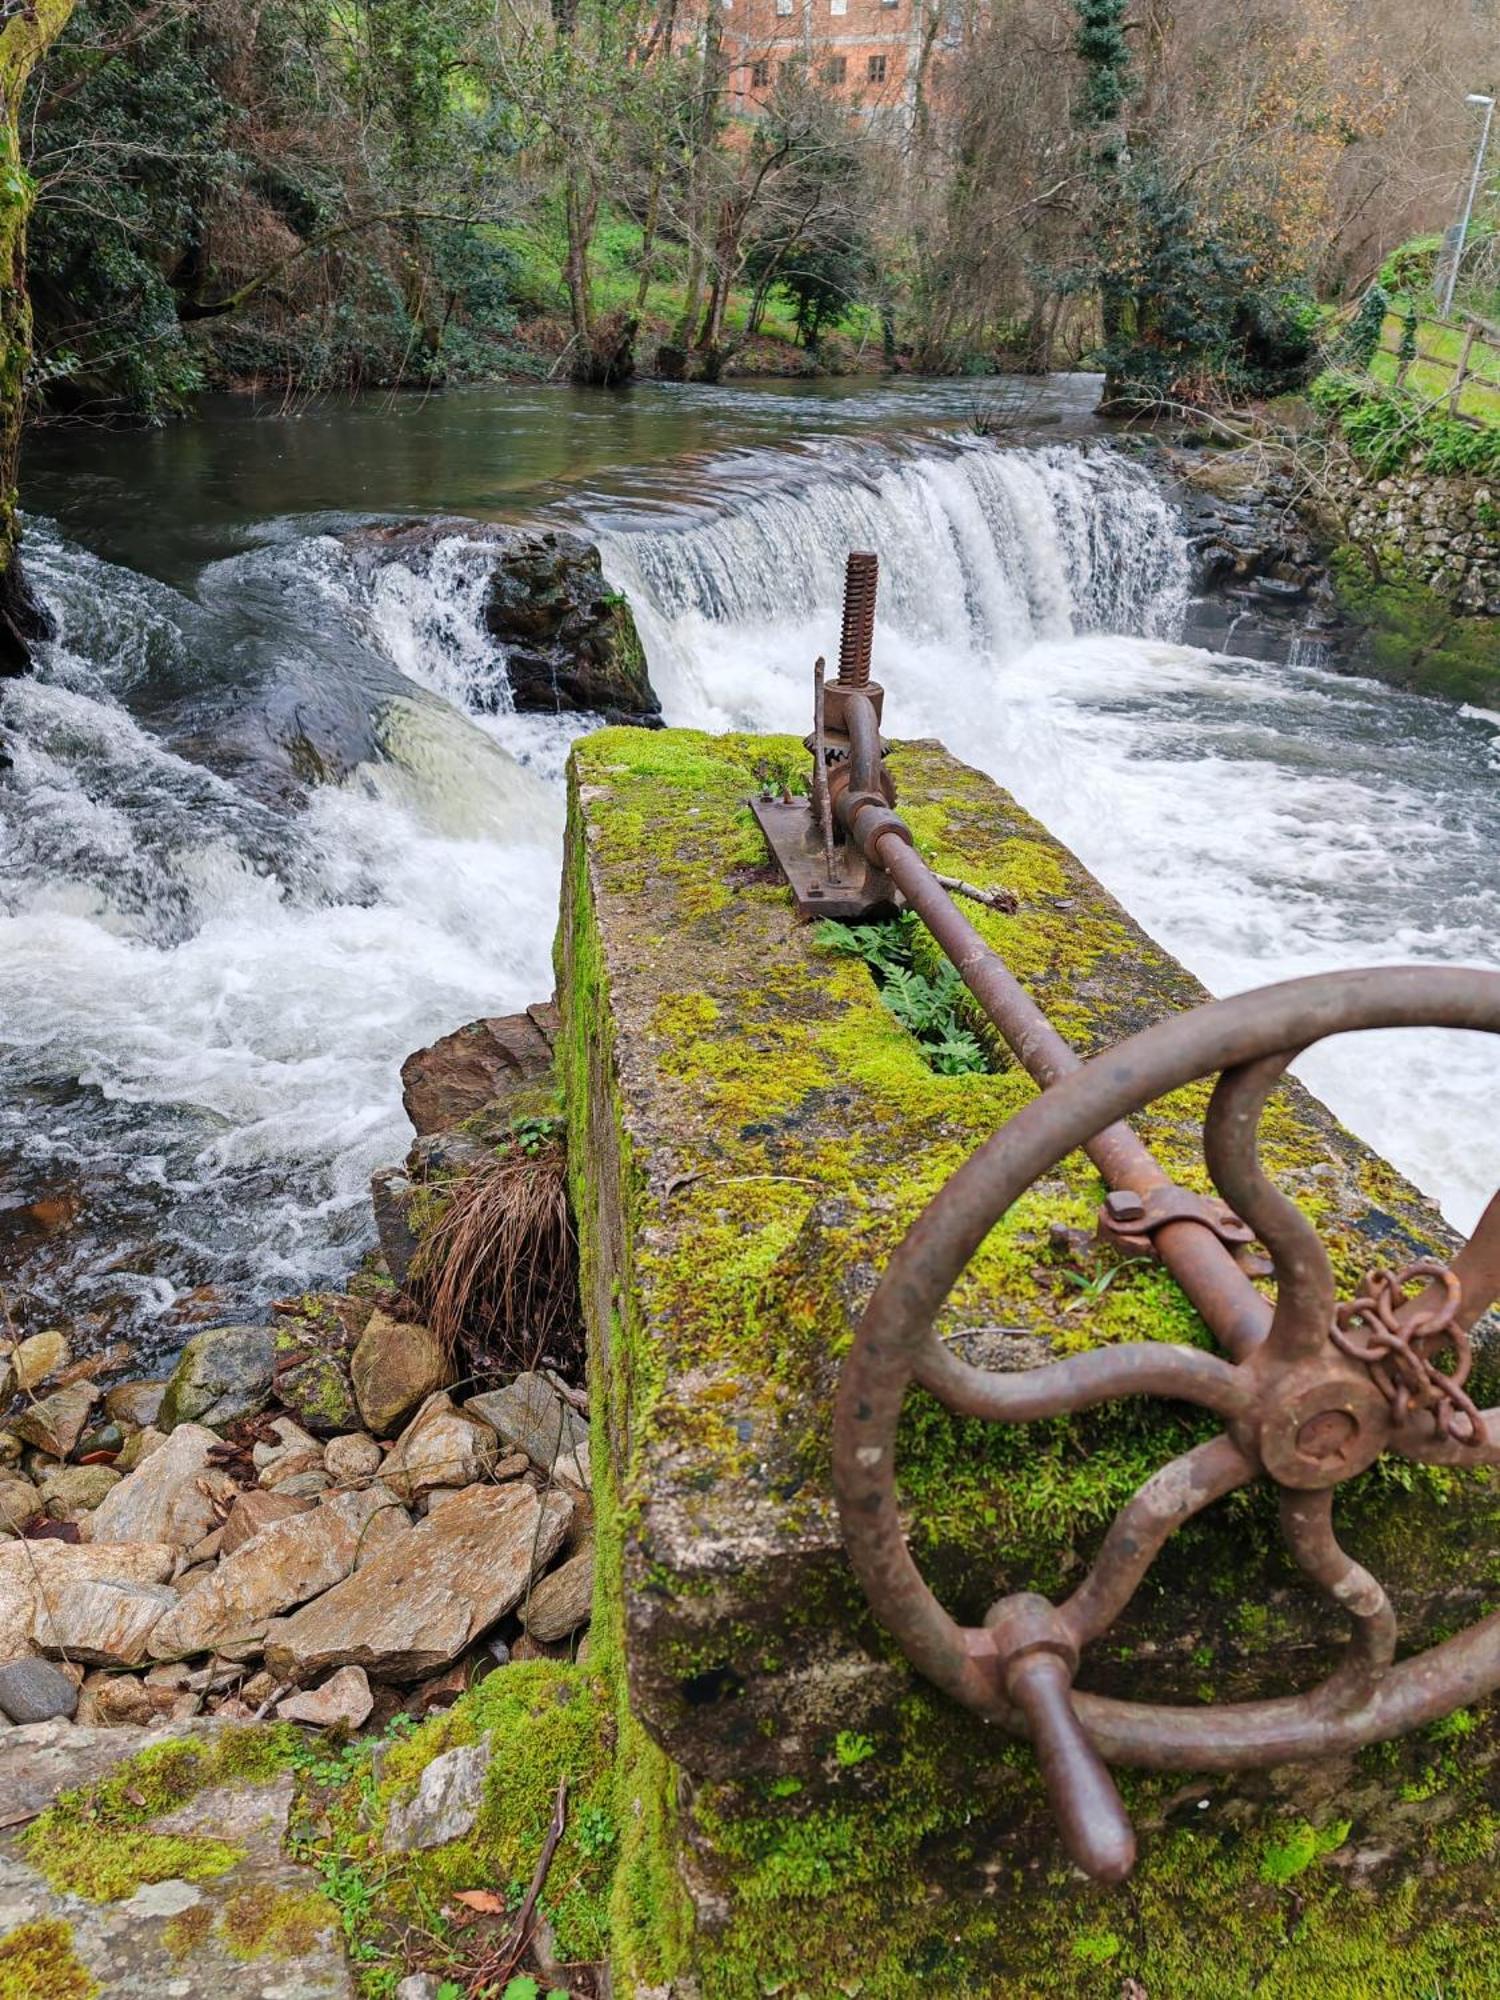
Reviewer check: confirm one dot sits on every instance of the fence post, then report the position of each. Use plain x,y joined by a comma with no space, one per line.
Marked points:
1471,329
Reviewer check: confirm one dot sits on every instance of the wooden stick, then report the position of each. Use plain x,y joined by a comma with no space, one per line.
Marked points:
520,1937
1005,900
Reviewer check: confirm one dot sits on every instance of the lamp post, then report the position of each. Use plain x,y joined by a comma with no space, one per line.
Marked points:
1456,252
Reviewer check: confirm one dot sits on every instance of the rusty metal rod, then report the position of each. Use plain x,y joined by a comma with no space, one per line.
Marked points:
1234,1310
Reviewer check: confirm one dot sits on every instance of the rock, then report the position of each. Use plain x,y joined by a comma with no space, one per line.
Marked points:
391,1194
529,1414
19,1500
76,1489
477,1066
418,1986
445,1804
445,1155
34,1361
55,1423
416,1606
120,1701
313,1345
101,1622
395,1368
561,1602
33,1690
138,1448
220,1376
135,1404
526,1648
288,1562
175,1495
353,1459
570,640
100,1441
344,1697
32,1572
252,1512
293,1464
441,1448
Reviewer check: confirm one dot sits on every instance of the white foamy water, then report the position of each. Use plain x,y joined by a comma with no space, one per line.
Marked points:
210,974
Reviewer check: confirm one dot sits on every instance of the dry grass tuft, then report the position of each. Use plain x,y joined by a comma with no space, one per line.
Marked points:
497,1277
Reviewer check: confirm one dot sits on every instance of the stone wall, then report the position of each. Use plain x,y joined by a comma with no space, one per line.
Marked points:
751,1132
1443,533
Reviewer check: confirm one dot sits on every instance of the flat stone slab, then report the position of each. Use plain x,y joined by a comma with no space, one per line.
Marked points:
257,1932
759,1131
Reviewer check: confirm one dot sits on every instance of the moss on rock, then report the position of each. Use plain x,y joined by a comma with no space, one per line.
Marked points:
38,1962
1416,637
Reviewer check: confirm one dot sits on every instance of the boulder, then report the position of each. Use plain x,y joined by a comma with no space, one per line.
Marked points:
135,1404
220,1376
19,1500
251,1512
344,1698
485,1063
33,1362
530,1414
32,1573
72,1490
100,1621
445,1804
395,1368
34,1690
442,1447
313,1345
561,1602
175,1495
417,1605
288,1562
55,1423
570,640
352,1460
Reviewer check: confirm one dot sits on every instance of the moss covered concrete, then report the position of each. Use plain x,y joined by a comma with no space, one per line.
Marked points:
751,1131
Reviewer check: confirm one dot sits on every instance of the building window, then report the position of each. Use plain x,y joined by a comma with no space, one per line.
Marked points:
783,6
877,69
838,6
760,74
836,69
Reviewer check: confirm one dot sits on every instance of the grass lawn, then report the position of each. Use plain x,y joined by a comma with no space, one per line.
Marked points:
1431,379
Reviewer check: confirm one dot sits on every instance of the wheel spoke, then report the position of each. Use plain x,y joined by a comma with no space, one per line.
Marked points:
1307,1525
1141,1368
1144,1524
1305,1289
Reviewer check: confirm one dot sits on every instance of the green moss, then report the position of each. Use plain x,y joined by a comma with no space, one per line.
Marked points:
1417,639
98,1842
262,1921
38,1962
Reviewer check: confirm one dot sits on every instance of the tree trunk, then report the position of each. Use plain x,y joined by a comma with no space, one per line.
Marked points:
24,40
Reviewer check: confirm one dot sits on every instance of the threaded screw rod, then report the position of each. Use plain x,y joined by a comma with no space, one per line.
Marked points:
861,577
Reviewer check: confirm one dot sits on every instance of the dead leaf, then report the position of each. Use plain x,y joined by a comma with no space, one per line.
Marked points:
484,1900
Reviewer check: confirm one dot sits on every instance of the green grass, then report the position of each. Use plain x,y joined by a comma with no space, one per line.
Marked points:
1431,380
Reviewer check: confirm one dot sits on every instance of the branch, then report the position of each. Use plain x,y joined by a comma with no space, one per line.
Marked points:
195,309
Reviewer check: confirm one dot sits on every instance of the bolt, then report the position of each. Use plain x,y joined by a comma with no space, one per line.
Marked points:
861,576
1124,1205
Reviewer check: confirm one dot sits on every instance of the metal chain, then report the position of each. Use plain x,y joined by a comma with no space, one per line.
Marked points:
1401,1338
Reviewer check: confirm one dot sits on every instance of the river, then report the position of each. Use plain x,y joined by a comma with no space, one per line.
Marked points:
268,824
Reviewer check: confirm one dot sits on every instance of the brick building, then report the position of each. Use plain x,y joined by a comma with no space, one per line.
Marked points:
868,53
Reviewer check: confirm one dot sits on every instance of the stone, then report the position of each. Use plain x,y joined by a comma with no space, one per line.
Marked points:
293,1465
486,1063
256,1931
221,1375
344,1697
31,1573
418,1986
76,1489
288,1562
391,1193
530,1415
121,1701
445,1804
251,1512
135,1404
33,1690
562,1601
138,1447
416,1606
318,1392
442,1447
54,1423
570,640
35,1361
352,1460
19,1500
101,1622
174,1495
395,1367
529,1648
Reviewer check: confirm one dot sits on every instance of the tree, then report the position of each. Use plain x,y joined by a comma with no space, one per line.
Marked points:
29,30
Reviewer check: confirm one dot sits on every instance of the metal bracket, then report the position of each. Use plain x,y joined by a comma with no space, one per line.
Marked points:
852,892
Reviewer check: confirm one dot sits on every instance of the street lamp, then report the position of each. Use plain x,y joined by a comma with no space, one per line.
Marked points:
1460,230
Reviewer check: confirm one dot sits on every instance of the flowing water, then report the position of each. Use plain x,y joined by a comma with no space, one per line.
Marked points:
269,824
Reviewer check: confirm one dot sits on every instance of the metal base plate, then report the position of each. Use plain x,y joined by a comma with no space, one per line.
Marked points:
856,890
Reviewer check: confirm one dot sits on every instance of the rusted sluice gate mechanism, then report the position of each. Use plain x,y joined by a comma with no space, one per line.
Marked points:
1311,1389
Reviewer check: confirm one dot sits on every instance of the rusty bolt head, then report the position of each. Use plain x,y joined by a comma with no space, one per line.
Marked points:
1124,1205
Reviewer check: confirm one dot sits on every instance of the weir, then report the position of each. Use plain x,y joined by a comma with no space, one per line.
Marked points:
753,1132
